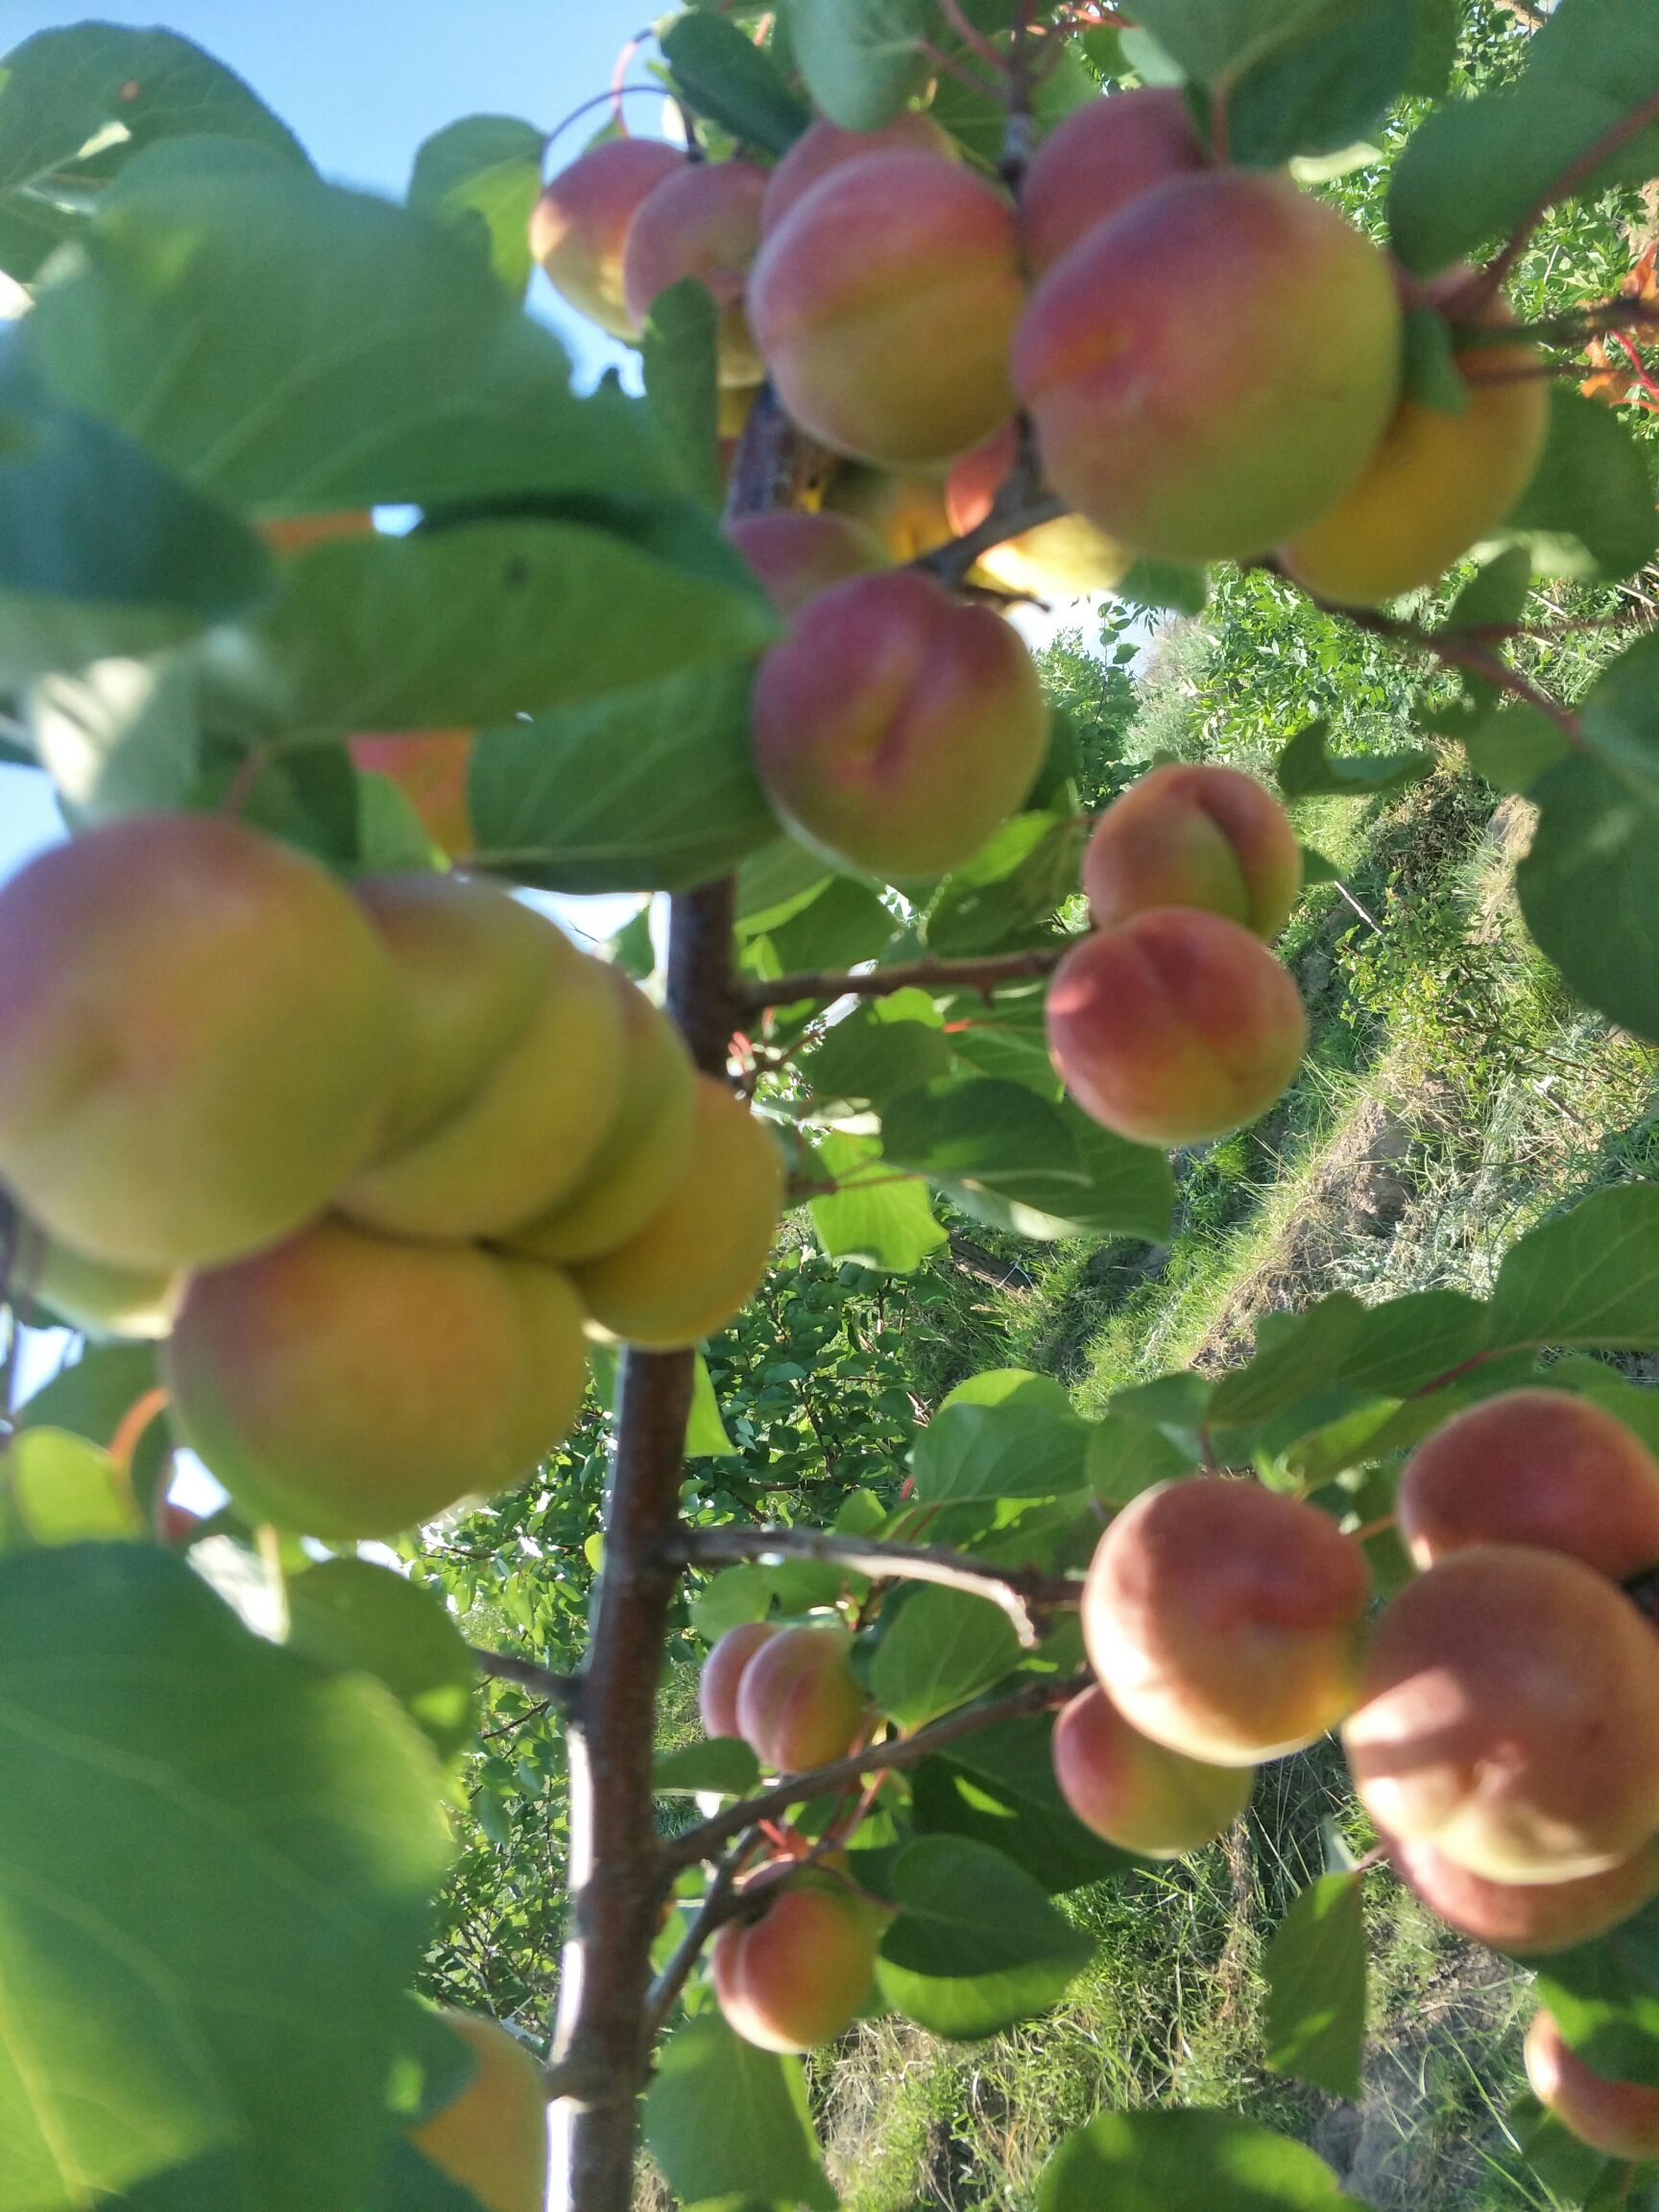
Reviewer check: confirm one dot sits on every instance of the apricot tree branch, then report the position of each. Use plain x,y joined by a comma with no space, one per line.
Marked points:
986,975
720,1905
1009,519
1025,1594
561,1690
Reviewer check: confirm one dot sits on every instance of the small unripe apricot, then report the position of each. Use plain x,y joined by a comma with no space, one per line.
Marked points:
1175,1027
701,1256
432,769
797,556
702,220
1061,559
352,1386
1224,1620
1619,2119
799,1703
1136,1793
1198,835
884,304
581,223
1528,1918
824,146
198,1032
1210,370
493,2137
1533,1467
895,727
91,1295
1097,160
1509,1716
904,512
799,1975
723,1672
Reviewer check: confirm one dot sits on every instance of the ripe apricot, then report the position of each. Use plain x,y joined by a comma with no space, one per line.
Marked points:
1210,370
580,224
904,511
824,146
723,1672
1097,160
702,220
1224,1620
884,304
796,555
896,728
1175,1027
1528,1918
1534,1467
1061,559
1136,1793
1509,1716
432,769
1198,835
351,1385
643,1155
1619,2119
493,2137
197,1033
799,1703
800,1975
702,1254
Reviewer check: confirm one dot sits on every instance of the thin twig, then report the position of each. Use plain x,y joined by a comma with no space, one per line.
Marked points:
561,1690
719,1904
986,975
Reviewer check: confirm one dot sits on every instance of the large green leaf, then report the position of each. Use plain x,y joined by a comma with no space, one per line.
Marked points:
1017,1448
484,174
1590,1277
1218,42
61,1489
1315,1973
976,1944
1589,508
1604,1997
1304,768
1326,92
942,1649
215,1885
347,1613
727,2122
1186,2162
861,58
881,1219
997,1786
726,77
1008,895
677,352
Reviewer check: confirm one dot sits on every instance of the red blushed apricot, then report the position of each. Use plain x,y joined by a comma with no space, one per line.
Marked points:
493,2137
704,221
1534,1467
824,146
1619,2119
1099,158
581,223
1212,368
1175,1027
1509,1716
1061,559
884,304
895,727
723,1670
799,1703
799,1975
797,556
1528,1918
1224,1620
1135,1792
1195,837
431,768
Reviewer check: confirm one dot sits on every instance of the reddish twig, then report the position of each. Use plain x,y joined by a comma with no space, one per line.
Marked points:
825,985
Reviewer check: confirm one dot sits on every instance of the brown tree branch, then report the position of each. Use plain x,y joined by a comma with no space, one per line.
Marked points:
721,1904
1027,509
561,1690
984,975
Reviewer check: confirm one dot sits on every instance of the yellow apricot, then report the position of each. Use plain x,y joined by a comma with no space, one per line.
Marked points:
1137,1794
493,2137
580,224
702,220
798,1701
800,1975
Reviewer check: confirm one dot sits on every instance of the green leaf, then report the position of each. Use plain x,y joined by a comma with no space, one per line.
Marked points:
1186,2162
1325,92
218,1870
724,1765
677,352
1474,171
843,923
942,1649
1126,1456
1496,593
65,1490
866,1059
1010,893
861,58
726,77
726,2121
1305,769
1589,508
1590,1277
1315,1972
345,1613
996,1787
1218,41
976,1944
1604,1997
484,175
1588,888
1164,585
1512,748
889,1225
648,789
1015,1449
706,1436
411,2183
93,1397
1385,1351
1436,25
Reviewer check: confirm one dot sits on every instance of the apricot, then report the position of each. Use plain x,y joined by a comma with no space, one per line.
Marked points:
580,224
91,1295
797,555
1097,160
701,1256
799,1703
643,1156
197,1033
1061,559
1175,1027
350,1385
884,304
1619,2119
1509,1716
1528,1918
723,1672
1136,1793
896,727
1438,484
904,511
1195,835
1211,370
801,1974
1533,1467
493,2137
1224,1620
824,146
704,221
432,769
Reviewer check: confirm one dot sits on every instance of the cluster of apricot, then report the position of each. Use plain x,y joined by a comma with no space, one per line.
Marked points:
371,1158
